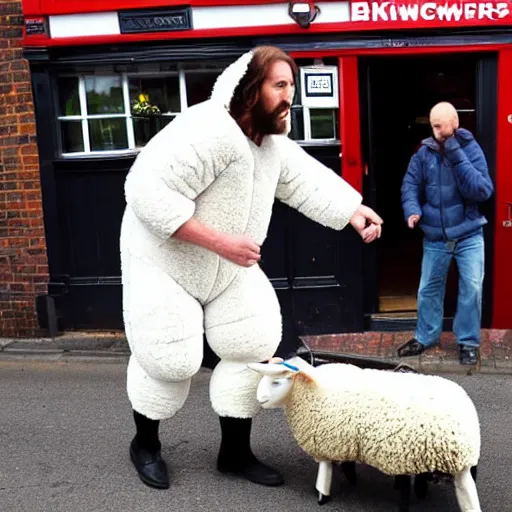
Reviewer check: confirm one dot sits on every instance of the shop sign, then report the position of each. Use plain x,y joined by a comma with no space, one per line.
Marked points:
35,27
319,87
170,20
428,11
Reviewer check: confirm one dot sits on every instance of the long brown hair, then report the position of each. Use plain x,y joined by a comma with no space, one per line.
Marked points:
247,93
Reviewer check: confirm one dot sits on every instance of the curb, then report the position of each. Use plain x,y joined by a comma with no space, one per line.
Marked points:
105,356
64,356
113,348
70,347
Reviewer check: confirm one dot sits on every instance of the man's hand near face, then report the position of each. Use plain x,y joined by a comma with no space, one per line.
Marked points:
444,121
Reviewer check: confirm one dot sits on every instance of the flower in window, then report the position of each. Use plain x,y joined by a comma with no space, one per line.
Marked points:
143,107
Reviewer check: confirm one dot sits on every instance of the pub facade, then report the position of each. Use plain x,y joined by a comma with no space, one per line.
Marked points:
106,76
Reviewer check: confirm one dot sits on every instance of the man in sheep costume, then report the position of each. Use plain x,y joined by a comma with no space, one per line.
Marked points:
199,201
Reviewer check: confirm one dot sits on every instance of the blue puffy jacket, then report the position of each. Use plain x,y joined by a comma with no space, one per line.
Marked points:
444,186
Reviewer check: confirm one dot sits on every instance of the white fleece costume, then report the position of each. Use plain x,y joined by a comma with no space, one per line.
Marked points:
203,165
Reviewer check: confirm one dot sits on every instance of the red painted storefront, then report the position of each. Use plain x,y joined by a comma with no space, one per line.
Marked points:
407,29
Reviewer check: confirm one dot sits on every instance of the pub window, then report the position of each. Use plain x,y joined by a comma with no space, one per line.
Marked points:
314,123
154,102
120,112
102,111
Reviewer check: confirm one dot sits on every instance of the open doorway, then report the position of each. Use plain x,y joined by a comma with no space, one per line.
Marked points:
399,93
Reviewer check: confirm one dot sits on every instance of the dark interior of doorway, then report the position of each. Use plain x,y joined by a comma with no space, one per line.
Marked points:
399,92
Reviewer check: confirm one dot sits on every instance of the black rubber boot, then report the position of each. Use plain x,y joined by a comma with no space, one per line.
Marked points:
145,453
236,457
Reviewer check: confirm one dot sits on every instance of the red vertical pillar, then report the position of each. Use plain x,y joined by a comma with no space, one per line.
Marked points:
502,285
351,164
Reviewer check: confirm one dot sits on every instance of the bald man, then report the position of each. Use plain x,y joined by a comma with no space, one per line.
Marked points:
446,180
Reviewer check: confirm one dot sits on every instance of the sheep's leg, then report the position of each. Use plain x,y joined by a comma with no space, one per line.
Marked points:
421,485
349,470
403,483
323,481
465,489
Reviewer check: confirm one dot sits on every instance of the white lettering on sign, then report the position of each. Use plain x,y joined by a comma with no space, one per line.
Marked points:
428,11
319,84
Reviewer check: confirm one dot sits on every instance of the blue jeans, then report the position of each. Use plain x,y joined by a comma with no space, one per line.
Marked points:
469,255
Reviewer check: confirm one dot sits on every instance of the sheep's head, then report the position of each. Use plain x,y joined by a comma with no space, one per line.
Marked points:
278,378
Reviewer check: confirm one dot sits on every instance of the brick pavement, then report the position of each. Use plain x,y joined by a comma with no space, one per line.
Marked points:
495,349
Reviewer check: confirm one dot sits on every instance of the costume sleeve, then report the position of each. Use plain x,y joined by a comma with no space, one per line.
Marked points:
471,169
412,188
313,189
166,178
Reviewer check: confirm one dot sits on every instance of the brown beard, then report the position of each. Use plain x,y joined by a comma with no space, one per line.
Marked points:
269,123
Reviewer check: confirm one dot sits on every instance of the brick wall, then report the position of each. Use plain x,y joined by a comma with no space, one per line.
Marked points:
23,261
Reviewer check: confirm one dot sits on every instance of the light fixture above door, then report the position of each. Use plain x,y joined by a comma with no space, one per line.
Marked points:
303,13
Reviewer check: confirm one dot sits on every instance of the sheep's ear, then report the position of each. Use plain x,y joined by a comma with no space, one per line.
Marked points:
306,376
302,368
273,369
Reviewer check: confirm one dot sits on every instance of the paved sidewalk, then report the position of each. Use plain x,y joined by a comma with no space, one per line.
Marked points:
496,349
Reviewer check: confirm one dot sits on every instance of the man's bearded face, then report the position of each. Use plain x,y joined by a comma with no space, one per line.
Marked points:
271,115
273,122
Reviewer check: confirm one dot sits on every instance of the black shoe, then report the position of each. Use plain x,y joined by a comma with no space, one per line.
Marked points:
468,355
236,457
255,472
150,466
411,348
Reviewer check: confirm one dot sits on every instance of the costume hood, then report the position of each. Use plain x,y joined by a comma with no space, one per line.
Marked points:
225,85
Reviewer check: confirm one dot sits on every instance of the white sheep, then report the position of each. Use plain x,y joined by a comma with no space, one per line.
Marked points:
399,423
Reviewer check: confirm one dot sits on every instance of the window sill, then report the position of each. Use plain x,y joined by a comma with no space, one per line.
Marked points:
93,155
134,152
319,142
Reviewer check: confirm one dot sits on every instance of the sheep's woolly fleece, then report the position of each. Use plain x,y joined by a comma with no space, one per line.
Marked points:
399,424
202,165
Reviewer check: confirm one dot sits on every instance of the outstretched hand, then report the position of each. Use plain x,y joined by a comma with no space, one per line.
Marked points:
367,223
